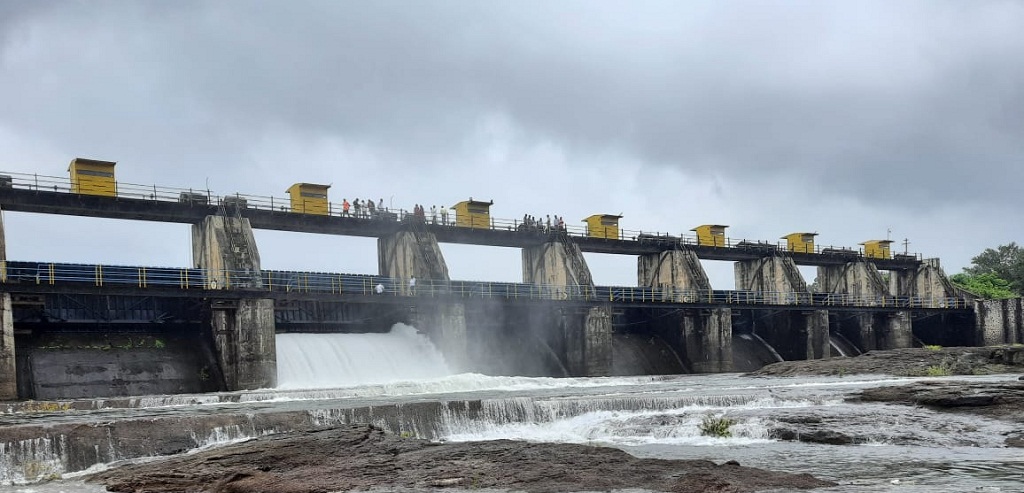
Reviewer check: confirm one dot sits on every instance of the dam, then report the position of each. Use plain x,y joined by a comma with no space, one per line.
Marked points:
74,330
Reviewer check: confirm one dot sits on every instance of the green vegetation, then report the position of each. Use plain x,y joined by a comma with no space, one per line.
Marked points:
989,285
716,426
933,347
1005,262
937,371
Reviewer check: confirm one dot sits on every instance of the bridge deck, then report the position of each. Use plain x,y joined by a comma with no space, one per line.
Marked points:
34,277
275,216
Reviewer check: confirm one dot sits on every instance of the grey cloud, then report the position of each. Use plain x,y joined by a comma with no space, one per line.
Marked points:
913,102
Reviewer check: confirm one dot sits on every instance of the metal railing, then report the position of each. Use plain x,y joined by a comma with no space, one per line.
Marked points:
14,272
283,204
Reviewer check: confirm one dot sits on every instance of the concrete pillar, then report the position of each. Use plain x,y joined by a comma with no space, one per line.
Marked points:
863,285
999,321
587,334
243,336
794,334
704,337
558,265
243,331
8,362
677,273
408,254
707,336
776,277
226,248
926,284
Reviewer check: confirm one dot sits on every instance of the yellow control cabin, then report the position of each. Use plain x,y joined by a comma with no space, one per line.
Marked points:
309,198
92,177
800,242
473,213
877,248
603,226
710,235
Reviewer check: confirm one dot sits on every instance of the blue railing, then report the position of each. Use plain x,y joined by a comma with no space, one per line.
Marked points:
16,272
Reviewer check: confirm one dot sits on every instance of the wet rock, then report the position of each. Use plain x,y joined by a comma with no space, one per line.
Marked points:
828,437
993,399
361,457
909,362
799,419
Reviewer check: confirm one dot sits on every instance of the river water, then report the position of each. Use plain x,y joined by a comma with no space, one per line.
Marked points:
398,375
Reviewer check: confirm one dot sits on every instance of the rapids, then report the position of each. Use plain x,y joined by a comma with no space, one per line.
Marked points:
400,382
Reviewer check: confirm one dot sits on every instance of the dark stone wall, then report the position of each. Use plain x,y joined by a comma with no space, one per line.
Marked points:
72,365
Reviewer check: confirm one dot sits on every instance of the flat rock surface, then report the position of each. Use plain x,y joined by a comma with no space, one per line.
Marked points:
909,362
361,457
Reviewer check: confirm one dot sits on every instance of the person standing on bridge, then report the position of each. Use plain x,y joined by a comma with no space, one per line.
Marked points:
444,216
412,285
344,207
433,214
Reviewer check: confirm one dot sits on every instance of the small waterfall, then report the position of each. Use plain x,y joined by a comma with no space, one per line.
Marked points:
309,361
644,354
750,352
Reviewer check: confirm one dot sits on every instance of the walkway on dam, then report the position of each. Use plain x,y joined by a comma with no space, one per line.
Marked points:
35,277
53,195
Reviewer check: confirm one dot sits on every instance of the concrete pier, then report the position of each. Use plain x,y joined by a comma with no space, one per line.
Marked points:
243,330
585,334
674,272
226,248
796,335
243,336
927,284
411,254
416,254
8,361
861,281
702,337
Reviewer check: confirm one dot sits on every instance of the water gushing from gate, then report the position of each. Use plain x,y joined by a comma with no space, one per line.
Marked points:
308,361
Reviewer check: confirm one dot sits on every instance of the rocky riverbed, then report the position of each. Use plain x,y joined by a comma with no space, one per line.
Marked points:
362,457
1000,400
365,457
910,362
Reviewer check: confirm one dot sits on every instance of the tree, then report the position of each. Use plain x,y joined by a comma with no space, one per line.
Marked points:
1005,262
988,285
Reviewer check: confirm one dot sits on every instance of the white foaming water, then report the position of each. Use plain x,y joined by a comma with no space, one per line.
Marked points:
620,423
317,361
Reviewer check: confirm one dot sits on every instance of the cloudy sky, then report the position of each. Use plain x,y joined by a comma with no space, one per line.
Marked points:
856,120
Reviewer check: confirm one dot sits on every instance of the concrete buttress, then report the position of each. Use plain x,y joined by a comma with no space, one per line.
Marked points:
926,284
795,335
243,330
416,254
8,363
704,336
586,333
861,282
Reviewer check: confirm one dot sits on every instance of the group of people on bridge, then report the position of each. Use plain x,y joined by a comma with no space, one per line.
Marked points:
531,223
364,209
